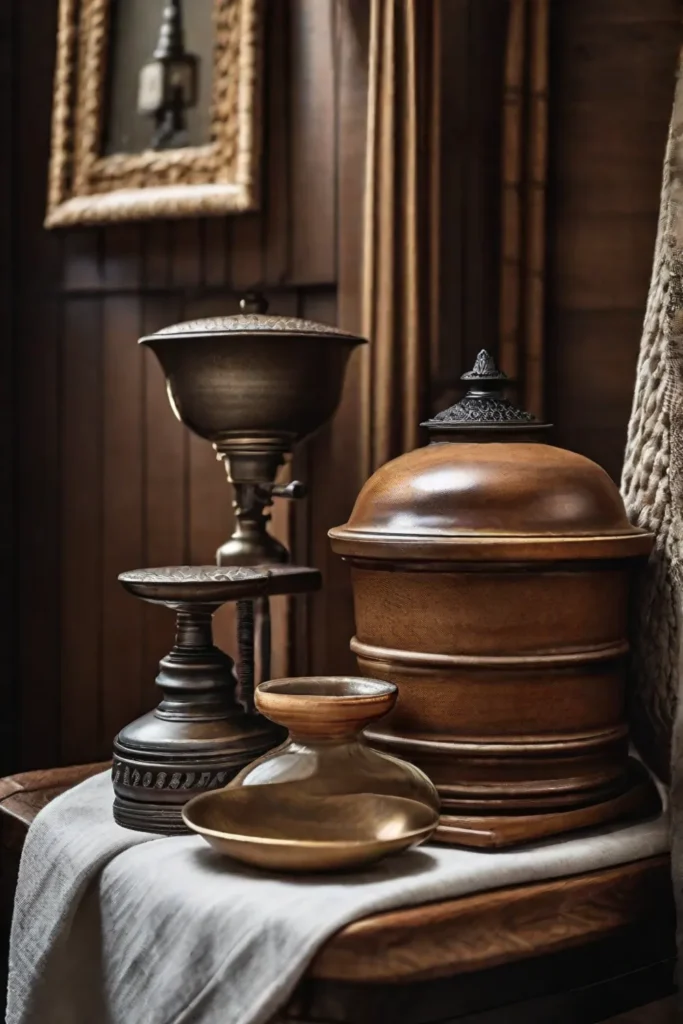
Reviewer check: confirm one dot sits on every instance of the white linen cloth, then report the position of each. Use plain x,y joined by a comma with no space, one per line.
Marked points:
117,927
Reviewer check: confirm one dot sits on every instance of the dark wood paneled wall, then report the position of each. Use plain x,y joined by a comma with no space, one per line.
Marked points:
613,68
9,618
102,477
107,478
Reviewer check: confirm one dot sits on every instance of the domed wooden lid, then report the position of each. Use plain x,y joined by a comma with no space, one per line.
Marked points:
510,498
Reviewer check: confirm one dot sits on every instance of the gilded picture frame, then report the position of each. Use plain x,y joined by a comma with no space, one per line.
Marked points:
87,187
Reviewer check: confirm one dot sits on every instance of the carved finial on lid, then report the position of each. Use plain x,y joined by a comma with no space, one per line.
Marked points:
484,405
253,302
484,368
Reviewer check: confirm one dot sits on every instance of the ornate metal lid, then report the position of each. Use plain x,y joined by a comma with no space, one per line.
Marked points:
483,406
254,319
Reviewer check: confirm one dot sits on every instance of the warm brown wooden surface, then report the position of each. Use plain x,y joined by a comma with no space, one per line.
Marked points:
440,939
548,948
23,795
501,615
478,932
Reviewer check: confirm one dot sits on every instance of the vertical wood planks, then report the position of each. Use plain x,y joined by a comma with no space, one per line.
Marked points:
454,68
123,546
311,634
107,479
165,445
216,241
83,249
8,567
246,253
276,183
337,453
313,168
612,67
536,186
209,497
81,532
282,516
122,256
156,247
512,161
186,253
487,21
36,337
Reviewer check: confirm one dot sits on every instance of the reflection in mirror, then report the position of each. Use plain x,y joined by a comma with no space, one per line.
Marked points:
160,75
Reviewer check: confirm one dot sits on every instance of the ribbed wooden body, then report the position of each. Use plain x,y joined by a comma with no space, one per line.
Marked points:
510,676
491,577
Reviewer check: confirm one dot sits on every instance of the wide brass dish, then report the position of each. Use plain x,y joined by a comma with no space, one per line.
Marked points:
304,833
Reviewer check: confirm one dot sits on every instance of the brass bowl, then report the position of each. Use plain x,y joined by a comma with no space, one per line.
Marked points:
272,380
275,828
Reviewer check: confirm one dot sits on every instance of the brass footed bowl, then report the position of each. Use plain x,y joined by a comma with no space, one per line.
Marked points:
253,377
275,828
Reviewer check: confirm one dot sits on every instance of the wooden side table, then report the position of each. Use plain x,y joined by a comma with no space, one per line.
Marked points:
574,950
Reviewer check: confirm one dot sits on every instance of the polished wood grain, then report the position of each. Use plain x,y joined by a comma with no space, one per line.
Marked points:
478,932
491,584
589,945
637,798
24,794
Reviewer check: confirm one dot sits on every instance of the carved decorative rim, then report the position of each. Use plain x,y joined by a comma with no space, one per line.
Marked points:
253,323
174,574
220,177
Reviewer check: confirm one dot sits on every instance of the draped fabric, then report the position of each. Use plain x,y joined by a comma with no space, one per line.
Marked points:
400,196
653,471
404,239
652,486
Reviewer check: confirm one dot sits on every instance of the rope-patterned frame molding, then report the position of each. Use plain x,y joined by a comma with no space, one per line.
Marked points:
213,179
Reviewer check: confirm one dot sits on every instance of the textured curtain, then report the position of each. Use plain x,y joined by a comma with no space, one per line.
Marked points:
652,486
402,245
653,468
399,231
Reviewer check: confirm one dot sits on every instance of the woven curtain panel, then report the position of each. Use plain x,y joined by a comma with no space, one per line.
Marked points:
400,196
652,482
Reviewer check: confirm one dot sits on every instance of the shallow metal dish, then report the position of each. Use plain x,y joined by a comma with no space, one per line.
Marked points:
273,827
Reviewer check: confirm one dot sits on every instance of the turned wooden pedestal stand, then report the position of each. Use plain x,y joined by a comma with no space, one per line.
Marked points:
199,736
